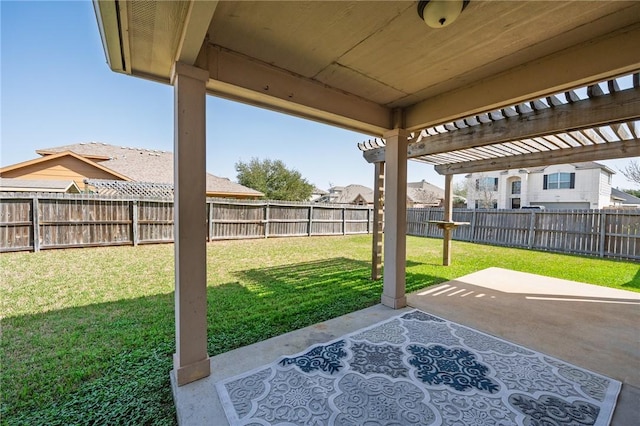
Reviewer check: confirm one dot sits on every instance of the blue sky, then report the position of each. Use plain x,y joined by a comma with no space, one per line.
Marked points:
56,89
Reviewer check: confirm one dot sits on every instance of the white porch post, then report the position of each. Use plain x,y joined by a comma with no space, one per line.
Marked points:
191,360
395,221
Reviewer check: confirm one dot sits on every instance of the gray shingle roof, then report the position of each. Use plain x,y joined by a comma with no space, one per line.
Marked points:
350,193
424,193
146,165
624,197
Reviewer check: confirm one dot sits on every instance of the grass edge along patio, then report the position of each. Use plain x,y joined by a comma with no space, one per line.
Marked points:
88,333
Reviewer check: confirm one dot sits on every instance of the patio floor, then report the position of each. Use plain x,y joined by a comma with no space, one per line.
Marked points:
590,326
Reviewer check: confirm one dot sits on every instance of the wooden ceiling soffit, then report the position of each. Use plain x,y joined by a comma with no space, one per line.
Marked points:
605,151
598,59
241,78
613,108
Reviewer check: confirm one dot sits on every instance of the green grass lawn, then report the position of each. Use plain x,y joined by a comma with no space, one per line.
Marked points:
88,333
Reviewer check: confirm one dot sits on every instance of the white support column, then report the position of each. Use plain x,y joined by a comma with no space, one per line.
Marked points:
395,220
448,217
191,360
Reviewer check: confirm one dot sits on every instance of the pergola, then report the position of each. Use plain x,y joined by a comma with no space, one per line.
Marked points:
595,122
372,67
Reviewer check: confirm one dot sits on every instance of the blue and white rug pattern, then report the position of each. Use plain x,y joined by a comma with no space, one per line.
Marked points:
416,368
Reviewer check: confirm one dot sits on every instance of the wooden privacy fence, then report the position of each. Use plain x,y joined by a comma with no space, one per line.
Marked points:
603,233
37,223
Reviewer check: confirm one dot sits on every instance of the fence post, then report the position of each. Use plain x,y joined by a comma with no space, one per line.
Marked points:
603,233
35,223
368,220
135,238
310,219
474,217
210,221
266,220
532,229
427,226
344,221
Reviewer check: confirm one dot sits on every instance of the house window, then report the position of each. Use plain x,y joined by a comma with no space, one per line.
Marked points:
516,186
515,203
559,181
487,184
486,204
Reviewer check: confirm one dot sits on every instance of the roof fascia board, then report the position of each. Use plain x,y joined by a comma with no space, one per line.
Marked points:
112,22
59,155
45,152
238,77
616,107
608,151
235,194
72,184
595,60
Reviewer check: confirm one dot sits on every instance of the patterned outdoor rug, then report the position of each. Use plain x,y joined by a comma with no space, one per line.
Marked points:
419,369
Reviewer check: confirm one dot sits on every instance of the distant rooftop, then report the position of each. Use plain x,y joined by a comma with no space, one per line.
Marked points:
148,166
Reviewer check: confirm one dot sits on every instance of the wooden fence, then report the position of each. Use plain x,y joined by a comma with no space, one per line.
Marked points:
603,233
37,223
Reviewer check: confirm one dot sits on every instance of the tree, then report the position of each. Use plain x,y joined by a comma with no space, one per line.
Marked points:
274,179
634,192
632,172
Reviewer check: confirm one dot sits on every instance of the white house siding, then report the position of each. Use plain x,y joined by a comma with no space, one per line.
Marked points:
473,194
592,189
585,195
605,189
505,196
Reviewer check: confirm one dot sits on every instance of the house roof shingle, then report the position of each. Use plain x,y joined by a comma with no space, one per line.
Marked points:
350,193
145,165
424,193
624,197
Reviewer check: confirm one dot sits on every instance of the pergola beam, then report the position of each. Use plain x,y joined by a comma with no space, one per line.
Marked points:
602,110
608,151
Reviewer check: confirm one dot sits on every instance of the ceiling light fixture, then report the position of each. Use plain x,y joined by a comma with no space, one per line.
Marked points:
440,13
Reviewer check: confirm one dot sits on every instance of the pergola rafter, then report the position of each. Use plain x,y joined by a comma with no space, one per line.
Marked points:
560,128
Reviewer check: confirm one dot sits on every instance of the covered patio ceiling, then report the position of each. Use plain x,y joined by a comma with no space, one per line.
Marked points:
357,64
368,66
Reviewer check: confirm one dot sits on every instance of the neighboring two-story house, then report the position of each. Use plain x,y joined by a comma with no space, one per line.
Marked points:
419,194
565,186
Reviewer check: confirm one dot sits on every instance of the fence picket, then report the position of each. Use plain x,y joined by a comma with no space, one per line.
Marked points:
37,222
610,233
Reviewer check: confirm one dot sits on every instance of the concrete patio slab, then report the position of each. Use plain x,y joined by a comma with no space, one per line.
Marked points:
198,403
593,327
590,326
